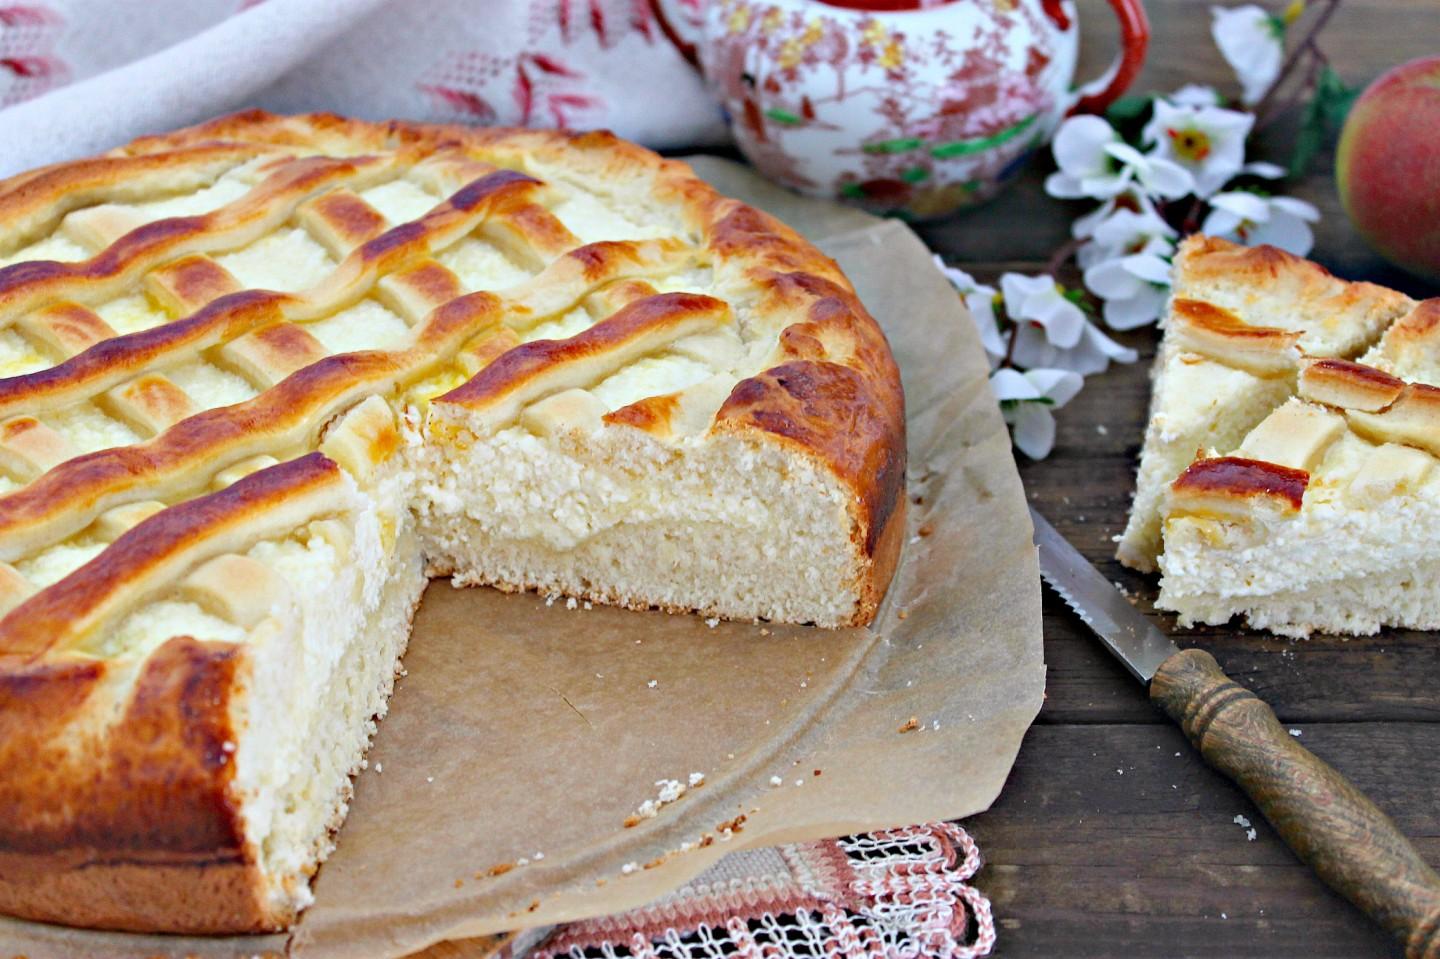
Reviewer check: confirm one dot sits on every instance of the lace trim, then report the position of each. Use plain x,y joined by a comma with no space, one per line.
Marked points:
891,894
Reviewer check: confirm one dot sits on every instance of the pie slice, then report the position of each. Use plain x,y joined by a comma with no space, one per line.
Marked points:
263,377
1322,519
1238,322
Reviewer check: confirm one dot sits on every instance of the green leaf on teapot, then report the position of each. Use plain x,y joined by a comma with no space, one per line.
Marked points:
893,146
963,147
783,116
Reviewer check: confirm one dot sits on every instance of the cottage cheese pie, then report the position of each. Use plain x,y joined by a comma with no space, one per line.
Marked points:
1281,480
263,377
1238,322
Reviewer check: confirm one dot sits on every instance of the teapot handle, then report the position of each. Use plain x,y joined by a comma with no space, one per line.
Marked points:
681,30
1095,96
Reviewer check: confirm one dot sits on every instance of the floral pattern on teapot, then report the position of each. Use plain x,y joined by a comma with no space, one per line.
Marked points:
898,119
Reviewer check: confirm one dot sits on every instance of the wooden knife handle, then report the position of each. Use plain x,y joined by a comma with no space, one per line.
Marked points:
1344,837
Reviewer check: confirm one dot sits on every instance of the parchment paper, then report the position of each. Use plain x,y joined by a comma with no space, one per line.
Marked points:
524,730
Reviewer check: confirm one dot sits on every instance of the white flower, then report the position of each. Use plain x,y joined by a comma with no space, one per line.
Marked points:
1085,226
1207,141
1122,232
1281,221
1094,162
1093,353
1195,95
1053,331
1253,43
980,301
1041,301
1027,400
1133,287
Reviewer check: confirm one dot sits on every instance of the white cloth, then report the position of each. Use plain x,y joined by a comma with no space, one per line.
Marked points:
81,76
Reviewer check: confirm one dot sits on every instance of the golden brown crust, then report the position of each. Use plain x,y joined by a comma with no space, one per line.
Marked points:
1348,385
1221,484
152,840
1218,333
135,829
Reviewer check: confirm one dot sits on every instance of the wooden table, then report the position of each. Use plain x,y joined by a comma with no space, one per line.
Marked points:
1112,837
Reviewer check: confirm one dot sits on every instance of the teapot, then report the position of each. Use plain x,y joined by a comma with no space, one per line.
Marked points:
916,108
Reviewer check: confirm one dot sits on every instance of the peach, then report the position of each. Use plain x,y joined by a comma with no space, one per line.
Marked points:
1388,166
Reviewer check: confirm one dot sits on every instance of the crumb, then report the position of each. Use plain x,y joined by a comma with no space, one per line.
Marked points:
227,746
500,869
459,883
1295,733
764,631
533,906
910,725
804,683
1243,823
775,780
601,882
1100,428
706,840
550,600
732,826
570,602
589,605
925,529
817,772
799,782
379,768
1223,916
670,790
697,779
729,755
629,867
934,724
538,856
429,779
652,684
1120,771
901,613
713,621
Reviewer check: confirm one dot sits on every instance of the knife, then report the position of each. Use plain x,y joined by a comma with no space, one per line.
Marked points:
1330,825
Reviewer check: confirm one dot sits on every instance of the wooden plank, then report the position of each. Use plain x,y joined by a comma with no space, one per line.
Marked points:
1117,839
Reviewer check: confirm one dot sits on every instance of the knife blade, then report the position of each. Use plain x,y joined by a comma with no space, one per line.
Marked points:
1352,846
1131,637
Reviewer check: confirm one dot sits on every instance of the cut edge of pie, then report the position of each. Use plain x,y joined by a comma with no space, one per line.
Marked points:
265,375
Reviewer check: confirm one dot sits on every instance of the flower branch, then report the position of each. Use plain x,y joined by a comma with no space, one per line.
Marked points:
1161,167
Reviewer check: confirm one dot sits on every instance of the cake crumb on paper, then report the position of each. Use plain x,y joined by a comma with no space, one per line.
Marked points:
910,725
629,867
1295,733
775,780
652,684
